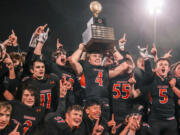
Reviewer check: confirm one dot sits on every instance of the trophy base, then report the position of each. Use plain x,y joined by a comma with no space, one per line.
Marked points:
100,45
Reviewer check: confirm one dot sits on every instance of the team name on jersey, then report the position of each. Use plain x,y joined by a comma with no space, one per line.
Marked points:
124,82
162,86
46,91
99,70
66,75
29,117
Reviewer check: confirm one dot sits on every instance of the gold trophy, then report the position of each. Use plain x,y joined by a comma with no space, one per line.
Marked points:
97,36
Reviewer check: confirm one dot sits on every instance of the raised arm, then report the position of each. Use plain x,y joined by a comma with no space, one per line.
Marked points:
148,75
43,36
134,92
122,42
74,60
11,80
154,52
121,68
168,55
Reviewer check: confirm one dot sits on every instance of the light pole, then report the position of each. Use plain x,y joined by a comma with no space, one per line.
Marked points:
155,7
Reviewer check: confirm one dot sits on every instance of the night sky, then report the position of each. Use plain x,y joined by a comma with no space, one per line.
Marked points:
67,20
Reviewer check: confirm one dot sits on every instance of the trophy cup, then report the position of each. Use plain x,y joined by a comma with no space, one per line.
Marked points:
97,36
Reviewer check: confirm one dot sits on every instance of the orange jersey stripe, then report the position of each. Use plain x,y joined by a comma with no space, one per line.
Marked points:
82,81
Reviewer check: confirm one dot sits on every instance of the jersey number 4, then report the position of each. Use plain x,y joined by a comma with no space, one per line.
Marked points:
164,97
116,89
99,79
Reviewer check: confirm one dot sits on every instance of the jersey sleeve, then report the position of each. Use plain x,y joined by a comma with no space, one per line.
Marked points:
56,125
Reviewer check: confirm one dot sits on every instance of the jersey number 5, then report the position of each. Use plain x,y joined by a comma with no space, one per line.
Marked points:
162,94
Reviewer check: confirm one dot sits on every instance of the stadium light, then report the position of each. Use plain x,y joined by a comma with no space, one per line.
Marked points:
155,6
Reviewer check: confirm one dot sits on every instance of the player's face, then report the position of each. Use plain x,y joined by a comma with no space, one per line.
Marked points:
4,118
162,68
16,62
138,118
28,98
74,118
38,70
95,59
177,71
61,59
94,112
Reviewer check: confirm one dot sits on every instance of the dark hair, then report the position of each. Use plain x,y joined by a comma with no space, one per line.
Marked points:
91,103
173,67
57,53
15,55
74,107
36,60
163,59
176,64
31,89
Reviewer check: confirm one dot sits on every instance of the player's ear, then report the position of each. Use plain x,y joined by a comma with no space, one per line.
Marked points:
31,70
169,69
87,56
67,115
87,110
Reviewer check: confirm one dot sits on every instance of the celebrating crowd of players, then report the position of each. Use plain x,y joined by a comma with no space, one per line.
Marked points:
88,93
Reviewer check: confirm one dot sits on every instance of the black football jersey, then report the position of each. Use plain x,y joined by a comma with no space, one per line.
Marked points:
10,127
29,117
68,73
121,99
48,90
56,125
63,71
163,106
94,80
177,106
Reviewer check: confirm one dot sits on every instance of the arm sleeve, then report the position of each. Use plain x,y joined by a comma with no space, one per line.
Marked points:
28,62
148,75
12,84
61,108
